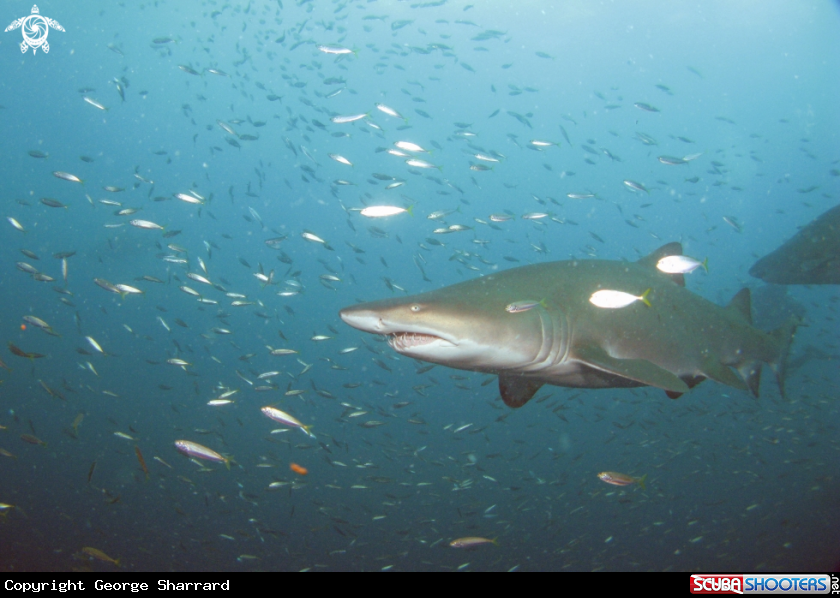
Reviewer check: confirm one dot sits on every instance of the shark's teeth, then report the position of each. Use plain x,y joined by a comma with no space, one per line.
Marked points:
400,341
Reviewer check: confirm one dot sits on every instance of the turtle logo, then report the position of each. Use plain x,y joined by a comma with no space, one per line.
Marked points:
35,29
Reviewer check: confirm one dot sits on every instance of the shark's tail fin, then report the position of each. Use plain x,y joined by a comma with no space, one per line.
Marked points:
783,338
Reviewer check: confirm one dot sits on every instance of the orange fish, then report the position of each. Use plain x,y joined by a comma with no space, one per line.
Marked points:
99,555
142,461
470,542
32,439
620,479
298,469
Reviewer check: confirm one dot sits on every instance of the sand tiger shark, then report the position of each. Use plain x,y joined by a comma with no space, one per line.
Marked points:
565,340
811,256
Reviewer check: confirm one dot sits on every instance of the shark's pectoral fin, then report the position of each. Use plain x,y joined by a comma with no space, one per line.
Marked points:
517,390
751,374
783,337
638,370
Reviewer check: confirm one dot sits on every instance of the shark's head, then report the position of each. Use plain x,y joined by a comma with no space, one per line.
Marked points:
811,256
458,326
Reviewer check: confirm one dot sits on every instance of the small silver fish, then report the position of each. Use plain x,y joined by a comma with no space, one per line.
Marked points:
523,305
146,224
66,176
340,120
193,449
337,50
616,299
635,186
340,159
681,264
389,111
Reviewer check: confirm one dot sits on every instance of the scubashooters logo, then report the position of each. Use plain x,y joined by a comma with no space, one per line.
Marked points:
727,583
35,29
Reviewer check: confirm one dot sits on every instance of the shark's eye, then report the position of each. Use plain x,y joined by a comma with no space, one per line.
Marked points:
415,308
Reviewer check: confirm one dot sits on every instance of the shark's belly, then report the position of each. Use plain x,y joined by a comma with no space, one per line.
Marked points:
577,375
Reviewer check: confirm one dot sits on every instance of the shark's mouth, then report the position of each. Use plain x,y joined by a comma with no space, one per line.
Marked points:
401,341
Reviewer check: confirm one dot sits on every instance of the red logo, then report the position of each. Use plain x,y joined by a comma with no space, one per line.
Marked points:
717,584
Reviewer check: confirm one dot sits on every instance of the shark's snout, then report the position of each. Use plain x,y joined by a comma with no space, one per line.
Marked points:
403,337
363,319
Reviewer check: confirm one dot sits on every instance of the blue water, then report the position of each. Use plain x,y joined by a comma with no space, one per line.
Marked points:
733,483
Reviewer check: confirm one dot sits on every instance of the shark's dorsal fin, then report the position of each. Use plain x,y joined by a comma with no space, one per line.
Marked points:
740,304
638,370
517,390
650,260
